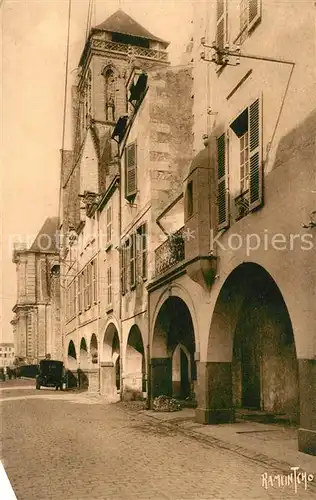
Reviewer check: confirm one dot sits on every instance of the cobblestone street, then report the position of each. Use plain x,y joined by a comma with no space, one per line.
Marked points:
73,446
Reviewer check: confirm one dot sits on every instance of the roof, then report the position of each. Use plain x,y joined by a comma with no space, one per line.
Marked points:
120,22
202,160
45,241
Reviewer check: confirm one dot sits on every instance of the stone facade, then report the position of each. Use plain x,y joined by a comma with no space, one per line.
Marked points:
192,200
91,203
247,196
36,325
7,355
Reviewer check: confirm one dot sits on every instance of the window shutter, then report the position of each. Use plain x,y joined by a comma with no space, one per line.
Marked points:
109,283
130,171
109,224
94,278
123,274
221,26
255,155
133,260
254,13
144,251
222,184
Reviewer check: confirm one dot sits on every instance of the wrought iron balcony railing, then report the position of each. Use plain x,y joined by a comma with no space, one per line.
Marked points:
242,205
121,48
169,252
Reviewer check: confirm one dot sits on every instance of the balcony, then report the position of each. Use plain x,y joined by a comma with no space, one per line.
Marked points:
121,48
170,252
242,205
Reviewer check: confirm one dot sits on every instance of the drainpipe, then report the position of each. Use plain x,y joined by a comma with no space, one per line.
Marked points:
148,398
98,295
120,266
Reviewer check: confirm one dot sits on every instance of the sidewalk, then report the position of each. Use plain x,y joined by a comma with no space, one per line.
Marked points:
270,444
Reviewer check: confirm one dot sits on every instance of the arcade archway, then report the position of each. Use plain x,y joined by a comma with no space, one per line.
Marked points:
111,363
94,349
71,356
173,368
134,366
252,342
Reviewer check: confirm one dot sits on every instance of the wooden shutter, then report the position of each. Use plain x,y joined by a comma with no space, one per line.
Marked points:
255,155
133,260
222,184
109,224
122,255
144,251
130,171
94,281
109,285
254,13
221,26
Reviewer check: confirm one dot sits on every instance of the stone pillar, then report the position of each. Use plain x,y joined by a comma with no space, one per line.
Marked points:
161,377
93,380
132,386
107,380
307,395
214,393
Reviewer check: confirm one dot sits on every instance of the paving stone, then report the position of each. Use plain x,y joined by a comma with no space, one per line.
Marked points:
62,449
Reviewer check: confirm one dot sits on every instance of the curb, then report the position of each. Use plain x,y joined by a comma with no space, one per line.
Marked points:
282,466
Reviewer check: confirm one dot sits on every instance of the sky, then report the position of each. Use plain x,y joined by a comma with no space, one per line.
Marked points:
32,68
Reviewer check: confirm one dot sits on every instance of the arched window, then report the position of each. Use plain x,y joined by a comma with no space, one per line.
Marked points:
110,89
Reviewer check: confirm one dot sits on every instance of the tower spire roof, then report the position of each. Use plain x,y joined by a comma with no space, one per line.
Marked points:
120,22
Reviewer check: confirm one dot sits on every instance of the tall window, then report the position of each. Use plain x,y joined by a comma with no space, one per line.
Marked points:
124,266
244,163
133,260
110,95
243,14
109,224
80,292
94,281
247,143
142,250
250,15
89,285
130,171
109,286
85,289
221,27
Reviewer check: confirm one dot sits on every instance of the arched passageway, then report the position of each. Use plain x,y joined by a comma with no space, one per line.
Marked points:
110,363
173,368
84,364
134,366
94,349
72,365
252,345
71,356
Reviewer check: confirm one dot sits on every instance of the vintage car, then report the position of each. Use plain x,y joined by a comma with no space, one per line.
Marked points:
2,374
51,374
